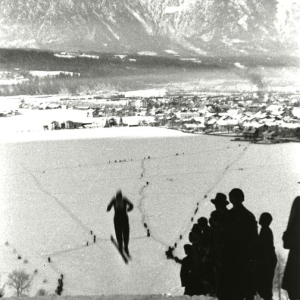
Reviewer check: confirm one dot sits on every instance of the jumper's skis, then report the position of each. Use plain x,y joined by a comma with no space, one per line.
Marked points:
121,252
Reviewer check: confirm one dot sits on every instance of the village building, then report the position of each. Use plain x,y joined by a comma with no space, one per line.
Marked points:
269,135
188,114
250,133
50,106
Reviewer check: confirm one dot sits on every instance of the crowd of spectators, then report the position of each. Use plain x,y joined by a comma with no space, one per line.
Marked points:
229,259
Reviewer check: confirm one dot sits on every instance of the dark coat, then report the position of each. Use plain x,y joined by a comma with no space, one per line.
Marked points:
291,277
185,271
266,263
239,254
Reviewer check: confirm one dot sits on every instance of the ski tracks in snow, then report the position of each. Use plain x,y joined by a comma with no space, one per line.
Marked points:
145,219
144,216
64,207
187,227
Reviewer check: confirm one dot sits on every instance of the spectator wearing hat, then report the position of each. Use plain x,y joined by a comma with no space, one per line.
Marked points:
220,201
239,255
217,217
217,224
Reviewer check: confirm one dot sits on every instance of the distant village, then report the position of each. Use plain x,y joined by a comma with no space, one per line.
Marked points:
253,116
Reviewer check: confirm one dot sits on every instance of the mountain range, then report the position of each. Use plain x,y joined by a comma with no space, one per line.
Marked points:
169,27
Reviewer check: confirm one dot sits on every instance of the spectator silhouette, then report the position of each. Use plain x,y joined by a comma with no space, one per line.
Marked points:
60,286
291,241
204,230
218,215
187,264
266,258
195,286
196,231
204,238
238,262
121,205
217,224
206,257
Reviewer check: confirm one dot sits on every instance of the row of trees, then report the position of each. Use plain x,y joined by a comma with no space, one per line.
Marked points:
55,85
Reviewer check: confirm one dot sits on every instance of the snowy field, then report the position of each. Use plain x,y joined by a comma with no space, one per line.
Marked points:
34,120
55,187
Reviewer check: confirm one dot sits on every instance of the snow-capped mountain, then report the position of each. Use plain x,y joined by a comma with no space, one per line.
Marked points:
179,26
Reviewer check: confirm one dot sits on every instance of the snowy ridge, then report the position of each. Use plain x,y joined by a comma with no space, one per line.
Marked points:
195,26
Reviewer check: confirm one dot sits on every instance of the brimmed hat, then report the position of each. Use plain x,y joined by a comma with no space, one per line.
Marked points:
220,199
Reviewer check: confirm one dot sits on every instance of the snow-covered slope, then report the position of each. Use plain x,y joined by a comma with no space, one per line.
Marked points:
54,192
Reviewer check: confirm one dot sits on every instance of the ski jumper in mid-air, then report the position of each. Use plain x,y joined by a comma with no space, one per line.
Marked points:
121,205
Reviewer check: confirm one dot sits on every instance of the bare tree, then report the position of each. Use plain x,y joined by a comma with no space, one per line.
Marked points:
277,281
20,281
